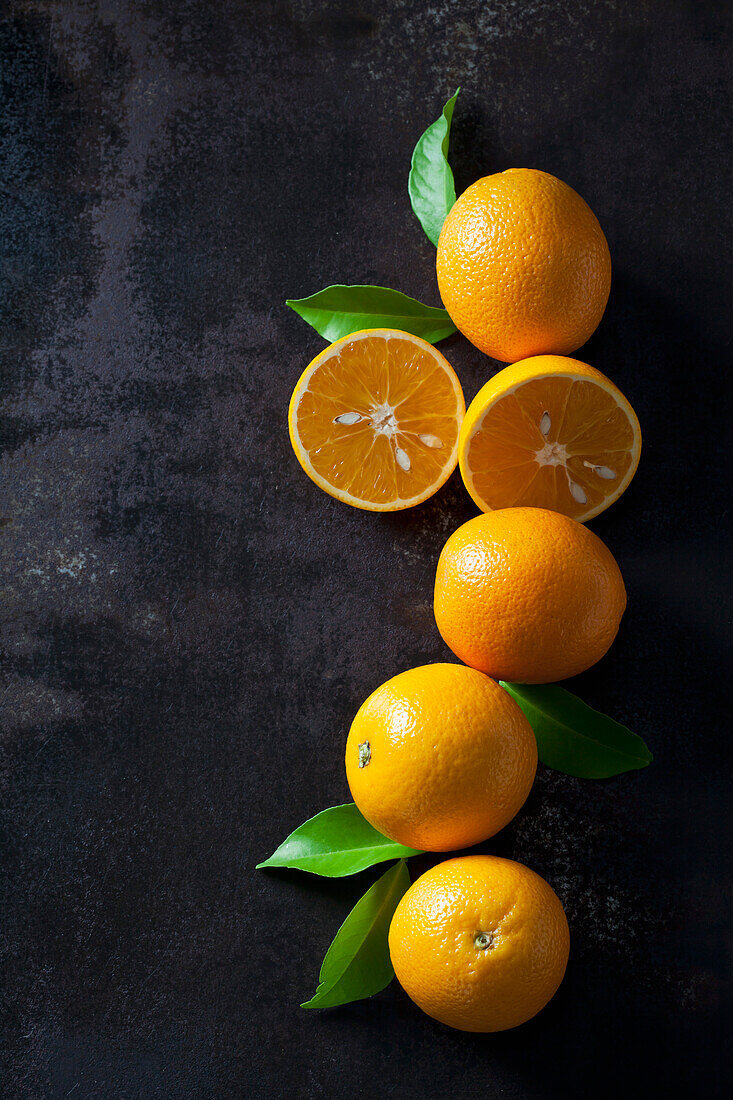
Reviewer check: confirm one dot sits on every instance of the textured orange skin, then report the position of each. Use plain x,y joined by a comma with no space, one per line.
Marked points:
528,595
523,265
431,943
453,758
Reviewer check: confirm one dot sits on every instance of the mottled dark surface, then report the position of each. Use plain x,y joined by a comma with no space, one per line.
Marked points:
188,624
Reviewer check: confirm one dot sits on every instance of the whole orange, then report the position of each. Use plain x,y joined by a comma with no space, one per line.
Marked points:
528,595
523,265
440,757
480,943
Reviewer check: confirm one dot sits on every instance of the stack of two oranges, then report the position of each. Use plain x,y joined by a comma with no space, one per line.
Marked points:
441,758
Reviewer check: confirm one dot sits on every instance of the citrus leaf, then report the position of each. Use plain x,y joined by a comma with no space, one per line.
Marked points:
357,964
334,843
430,185
575,739
339,310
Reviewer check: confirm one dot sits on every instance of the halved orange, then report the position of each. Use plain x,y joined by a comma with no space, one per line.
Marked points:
374,419
549,432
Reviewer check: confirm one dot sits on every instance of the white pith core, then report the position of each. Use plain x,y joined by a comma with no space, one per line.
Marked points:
383,421
552,454
556,454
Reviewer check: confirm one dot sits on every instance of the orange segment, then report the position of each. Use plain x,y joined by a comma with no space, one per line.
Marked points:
374,419
549,432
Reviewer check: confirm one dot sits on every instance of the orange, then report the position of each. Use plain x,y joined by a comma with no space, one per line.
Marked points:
528,595
552,433
440,757
523,265
480,943
374,420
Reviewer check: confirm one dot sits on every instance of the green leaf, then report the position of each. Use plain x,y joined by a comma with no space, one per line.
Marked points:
340,310
357,964
575,739
431,187
334,843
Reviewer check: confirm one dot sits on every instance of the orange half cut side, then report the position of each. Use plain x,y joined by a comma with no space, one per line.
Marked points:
374,420
549,432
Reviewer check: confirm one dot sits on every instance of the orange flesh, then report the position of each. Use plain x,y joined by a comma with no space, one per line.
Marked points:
512,460
400,393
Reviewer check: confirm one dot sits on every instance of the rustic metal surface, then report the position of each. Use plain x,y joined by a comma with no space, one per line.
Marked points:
188,624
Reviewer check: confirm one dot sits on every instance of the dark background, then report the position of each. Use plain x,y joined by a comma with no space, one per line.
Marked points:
188,624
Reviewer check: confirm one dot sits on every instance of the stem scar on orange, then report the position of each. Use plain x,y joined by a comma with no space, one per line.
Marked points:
440,757
480,943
